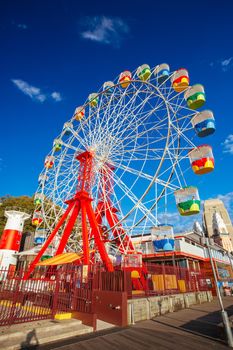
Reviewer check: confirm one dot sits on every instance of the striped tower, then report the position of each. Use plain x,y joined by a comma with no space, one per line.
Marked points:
11,237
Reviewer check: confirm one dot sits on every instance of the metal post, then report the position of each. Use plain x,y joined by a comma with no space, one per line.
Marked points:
225,318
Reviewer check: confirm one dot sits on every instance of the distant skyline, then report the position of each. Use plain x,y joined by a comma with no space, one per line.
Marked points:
54,53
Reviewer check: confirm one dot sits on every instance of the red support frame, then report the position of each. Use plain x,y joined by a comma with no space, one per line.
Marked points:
105,208
80,203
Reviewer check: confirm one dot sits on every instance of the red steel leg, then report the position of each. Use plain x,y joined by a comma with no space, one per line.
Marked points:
98,239
86,254
49,240
68,229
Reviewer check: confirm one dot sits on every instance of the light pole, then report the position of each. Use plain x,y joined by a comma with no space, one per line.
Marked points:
225,318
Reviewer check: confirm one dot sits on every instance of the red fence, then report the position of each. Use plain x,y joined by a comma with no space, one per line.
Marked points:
166,279
71,288
44,295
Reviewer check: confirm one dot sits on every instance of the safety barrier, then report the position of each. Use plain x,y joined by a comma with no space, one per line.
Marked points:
70,288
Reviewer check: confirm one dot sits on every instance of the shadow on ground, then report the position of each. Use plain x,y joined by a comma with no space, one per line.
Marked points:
31,342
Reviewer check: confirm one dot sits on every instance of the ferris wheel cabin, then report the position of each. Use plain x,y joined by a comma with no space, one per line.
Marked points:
195,96
144,72
188,201
108,87
38,198
125,79
37,218
180,80
79,113
204,123
202,159
162,72
42,179
93,100
49,162
67,128
57,145
163,237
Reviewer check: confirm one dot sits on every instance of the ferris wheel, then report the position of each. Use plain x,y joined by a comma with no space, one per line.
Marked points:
129,146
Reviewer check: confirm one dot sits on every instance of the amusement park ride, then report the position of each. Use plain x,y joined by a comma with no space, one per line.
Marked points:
118,158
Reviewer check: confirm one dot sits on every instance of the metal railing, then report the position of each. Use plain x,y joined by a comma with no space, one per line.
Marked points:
70,288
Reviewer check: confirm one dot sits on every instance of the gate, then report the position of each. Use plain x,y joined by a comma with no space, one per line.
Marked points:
110,296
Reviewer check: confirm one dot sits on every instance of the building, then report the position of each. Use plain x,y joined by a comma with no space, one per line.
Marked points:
218,223
190,252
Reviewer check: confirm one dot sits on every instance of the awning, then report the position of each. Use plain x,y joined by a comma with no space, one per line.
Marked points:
61,259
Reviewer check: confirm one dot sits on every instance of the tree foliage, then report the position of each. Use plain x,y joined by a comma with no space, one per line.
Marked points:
23,203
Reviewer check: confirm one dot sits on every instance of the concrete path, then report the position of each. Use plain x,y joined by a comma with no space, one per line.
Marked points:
30,335
196,328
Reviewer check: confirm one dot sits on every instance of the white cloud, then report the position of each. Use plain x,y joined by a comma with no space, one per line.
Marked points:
228,144
105,30
226,64
33,92
180,223
56,96
228,202
22,26
227,199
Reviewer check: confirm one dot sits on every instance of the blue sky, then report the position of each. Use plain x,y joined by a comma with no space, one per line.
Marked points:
54,53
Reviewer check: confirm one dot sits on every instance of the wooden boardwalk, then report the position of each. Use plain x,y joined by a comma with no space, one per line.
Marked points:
196,328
